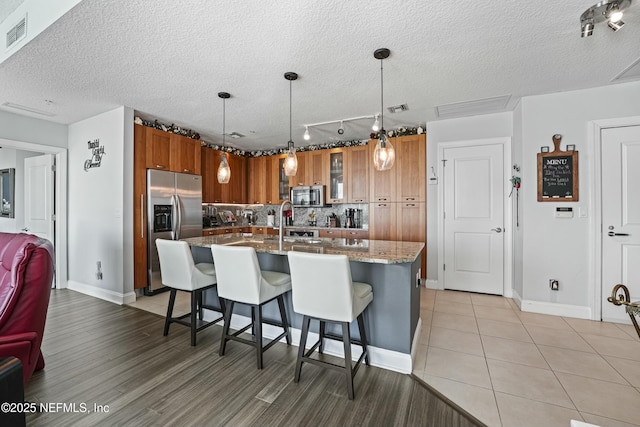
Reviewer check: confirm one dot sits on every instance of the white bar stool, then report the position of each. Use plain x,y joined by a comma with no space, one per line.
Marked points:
240,280
322,289
180,273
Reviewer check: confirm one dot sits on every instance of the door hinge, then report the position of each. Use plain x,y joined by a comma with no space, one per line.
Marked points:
444,163
444,215
53,168
53,217
444,267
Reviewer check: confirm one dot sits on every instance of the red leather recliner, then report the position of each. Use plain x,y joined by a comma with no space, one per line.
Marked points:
26,274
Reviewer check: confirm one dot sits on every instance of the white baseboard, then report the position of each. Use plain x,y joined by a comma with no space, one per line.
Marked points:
104,294
516,298
555,309
431,284
379,357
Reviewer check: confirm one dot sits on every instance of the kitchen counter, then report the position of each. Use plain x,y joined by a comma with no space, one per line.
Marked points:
360,250
391,268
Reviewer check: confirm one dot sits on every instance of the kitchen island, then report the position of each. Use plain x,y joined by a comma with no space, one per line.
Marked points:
391,268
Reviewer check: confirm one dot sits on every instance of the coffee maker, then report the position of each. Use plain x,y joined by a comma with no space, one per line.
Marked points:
353,218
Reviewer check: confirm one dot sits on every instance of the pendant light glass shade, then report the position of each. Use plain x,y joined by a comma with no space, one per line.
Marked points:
384,155
224,171
291,161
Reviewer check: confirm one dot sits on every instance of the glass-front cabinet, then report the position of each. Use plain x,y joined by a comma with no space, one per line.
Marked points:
283,180
336,189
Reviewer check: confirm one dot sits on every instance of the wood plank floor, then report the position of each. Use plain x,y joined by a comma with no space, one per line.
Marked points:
101,353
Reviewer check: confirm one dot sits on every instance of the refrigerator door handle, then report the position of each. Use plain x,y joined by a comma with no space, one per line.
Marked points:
179,217
174,217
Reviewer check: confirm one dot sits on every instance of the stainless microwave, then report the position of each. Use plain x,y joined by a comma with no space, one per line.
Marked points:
308,196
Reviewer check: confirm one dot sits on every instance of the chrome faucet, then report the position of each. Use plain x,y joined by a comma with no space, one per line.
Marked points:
282,220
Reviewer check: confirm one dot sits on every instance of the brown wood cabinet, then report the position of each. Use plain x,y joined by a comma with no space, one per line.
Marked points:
300,178
350,233
336,191
259,179
185,154
382,186
236,190
411,162
316,167
139,206
411,226
382,221
335,234
211,190
358,174
280,184
264,230
157,148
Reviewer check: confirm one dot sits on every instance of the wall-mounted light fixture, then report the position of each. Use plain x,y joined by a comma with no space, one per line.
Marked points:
610,11
224,171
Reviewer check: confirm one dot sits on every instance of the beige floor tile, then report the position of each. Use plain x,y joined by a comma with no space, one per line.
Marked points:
629,330
528,382
455,321
479,402
519,412
558,338
420,358
462,367
451,339
425,331
494,313
602,421
454,296
490,300
596,328
443,306
523,353
508,330
629,369
590,365
536,319
513,305
616,401
624,348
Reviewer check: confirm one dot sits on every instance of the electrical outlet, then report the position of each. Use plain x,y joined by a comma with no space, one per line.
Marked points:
554,285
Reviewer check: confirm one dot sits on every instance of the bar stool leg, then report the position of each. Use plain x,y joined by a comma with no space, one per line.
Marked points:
167,320
301,349
258,329
283,317
225,328
323,324
200,309
348,365
194,313
363,338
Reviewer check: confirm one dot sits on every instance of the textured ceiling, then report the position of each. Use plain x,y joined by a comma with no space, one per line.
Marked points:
168,60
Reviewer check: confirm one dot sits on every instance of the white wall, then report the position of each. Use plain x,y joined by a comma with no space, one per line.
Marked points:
559,248
451,130
27,129
517,210
97,220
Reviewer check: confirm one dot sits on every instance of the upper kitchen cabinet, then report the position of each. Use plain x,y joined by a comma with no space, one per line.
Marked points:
158,149
382,183
260,177
280,184
236,190
358,174
211,189
411,161
316,167
301,178
335,177
185,154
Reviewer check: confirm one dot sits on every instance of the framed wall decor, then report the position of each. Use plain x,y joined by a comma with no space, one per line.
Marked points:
558,174
7,189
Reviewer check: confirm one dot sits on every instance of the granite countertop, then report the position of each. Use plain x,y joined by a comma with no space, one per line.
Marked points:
361,250
288,227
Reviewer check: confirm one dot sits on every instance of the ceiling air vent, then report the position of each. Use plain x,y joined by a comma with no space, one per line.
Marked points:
398,108
235,135
471,108
17,33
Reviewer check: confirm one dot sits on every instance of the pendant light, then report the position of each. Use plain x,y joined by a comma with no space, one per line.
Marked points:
291,161
384,154
224,171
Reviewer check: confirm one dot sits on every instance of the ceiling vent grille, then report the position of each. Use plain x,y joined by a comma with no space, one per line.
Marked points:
471,108
235,135
17,33
629,73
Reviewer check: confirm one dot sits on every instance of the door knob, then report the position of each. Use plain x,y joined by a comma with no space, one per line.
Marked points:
497,230
611,233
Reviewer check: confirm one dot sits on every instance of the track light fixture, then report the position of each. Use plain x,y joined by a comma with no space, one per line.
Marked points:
306,133
610,11
291,161
376,124
341,128
384,154
224,171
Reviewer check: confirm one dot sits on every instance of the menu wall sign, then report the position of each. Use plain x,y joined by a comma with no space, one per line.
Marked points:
558,174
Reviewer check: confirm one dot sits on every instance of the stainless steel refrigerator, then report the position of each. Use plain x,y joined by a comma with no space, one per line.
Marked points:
174,203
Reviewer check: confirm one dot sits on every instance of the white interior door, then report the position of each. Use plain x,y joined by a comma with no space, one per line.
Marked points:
474,218
38,196
620,154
